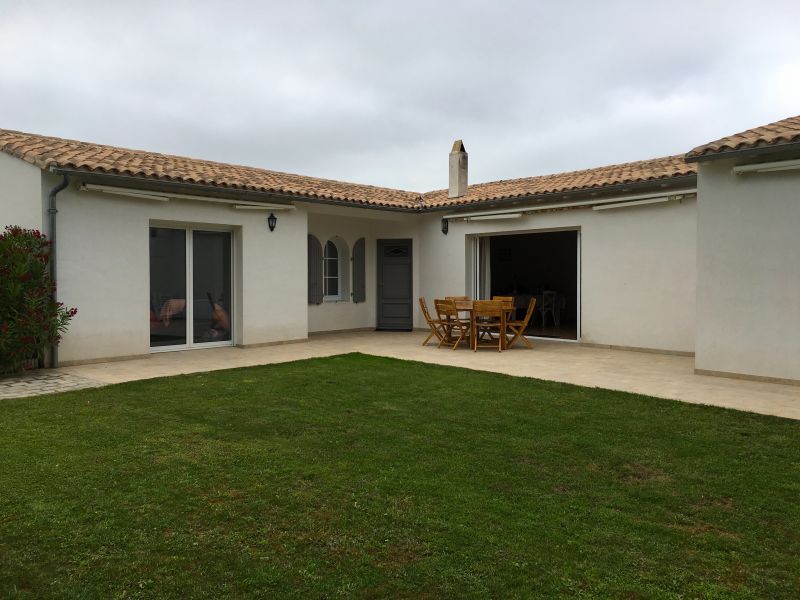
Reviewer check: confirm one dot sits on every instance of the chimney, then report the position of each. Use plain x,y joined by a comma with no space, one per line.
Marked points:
458,170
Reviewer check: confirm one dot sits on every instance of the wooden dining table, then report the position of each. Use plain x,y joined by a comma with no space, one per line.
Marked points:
466,306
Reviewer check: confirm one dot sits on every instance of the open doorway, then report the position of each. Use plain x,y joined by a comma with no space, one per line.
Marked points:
541,265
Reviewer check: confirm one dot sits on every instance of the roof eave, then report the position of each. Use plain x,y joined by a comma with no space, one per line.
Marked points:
757,151
604,191
161,185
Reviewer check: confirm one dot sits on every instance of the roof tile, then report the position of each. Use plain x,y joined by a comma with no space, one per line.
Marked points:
559,183
785,131
97,158
43,151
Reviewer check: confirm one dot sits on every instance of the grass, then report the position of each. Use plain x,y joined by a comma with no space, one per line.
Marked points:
359,476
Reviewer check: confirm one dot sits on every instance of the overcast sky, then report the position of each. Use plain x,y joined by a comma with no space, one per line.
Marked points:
376,92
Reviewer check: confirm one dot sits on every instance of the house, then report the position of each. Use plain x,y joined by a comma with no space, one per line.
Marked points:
696,254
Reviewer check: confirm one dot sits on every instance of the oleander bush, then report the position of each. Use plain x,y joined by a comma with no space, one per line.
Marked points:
30,320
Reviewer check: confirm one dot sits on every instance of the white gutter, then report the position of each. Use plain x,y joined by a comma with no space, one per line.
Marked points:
769,167
635,203
239,206
515,215
529,209
167,196
140,195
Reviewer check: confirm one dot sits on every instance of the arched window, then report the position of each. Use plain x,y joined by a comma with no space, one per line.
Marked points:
331,272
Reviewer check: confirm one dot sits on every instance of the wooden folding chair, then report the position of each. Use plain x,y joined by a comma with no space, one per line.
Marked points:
454,328
488,316
508,304
518,328
436,325
463,305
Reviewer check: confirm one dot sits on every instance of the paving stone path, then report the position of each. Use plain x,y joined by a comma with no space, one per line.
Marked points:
43,381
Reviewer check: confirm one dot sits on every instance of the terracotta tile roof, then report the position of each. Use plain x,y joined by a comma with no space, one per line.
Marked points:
44,152
559,183
786,131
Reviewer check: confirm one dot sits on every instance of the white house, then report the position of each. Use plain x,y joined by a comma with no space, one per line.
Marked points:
695,254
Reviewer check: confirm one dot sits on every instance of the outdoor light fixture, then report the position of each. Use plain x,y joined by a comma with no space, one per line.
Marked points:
445,226
272,220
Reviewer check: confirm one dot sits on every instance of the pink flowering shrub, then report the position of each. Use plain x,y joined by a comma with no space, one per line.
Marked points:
30,321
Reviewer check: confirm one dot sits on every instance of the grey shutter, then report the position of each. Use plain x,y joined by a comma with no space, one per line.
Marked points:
314,270
359,274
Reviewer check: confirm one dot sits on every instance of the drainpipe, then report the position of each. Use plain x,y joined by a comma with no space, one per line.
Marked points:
52,211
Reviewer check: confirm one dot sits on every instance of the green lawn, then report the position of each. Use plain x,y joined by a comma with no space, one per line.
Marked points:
358,476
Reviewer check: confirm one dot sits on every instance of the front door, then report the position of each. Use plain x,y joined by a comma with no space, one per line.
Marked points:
394,285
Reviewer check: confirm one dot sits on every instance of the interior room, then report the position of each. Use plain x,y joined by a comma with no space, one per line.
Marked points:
544,266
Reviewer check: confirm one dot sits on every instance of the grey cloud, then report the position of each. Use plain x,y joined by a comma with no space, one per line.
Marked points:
375,92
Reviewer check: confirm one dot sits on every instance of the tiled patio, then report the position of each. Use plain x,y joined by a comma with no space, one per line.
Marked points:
659,375
43,381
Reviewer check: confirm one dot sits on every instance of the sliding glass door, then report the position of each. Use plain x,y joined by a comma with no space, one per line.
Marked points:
167,287
191,292
211,286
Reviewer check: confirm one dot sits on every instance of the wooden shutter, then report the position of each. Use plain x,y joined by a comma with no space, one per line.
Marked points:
359,272
314,270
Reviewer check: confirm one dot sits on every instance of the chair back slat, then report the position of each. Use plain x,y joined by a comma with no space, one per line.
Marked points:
487,308
446,309
463,304
509,303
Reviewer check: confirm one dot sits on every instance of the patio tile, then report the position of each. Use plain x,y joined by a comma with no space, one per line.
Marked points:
661,375
36,383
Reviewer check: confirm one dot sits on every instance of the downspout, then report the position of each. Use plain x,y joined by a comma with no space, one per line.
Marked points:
52,211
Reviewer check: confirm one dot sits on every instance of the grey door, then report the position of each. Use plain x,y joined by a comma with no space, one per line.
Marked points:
394,285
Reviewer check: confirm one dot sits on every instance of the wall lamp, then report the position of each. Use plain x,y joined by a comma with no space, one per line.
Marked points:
272,220
445,226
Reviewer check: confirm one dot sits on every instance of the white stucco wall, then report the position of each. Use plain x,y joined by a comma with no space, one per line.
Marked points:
748,270
103,266
637,269
20,194
350,224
